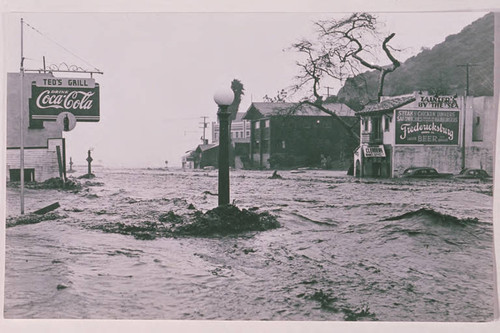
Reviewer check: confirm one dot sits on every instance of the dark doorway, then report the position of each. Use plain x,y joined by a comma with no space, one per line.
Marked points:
15,175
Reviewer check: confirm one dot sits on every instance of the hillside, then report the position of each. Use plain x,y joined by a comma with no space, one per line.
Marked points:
437,70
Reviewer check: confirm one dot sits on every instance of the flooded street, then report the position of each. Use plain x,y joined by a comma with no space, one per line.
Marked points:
347,249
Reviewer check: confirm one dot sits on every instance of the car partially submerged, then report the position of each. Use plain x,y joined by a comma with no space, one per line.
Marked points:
473,174
424,172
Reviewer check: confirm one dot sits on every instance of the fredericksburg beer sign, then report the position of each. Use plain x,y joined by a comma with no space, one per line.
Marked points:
52,96
427,127
433,120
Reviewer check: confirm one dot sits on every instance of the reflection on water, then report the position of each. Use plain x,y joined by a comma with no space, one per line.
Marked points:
348,249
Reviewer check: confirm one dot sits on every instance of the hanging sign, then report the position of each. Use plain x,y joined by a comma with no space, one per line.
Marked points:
374,151
427,127
52,96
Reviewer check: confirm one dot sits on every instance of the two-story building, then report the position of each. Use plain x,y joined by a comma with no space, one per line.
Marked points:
294,134
447,133
240,140
240,129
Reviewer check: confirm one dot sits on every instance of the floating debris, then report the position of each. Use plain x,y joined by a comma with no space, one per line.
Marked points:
47,209
223,220
325,300
31,219
226,219
54,184
275,175
358,314
87,176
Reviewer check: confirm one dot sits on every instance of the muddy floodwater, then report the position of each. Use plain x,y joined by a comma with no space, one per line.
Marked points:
347,249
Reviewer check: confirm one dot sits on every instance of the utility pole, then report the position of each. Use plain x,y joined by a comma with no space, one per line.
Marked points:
328,91
21,147
467,66
204,128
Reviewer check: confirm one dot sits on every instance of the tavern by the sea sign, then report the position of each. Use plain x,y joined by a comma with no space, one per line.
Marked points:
51,96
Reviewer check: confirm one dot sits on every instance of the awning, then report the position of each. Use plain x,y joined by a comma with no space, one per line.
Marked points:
374,151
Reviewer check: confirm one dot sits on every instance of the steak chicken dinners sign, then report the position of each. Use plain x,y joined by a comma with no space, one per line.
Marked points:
51,96
427,127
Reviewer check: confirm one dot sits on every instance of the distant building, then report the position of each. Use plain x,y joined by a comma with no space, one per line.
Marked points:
41,138
188,160
207,155
292,134
421,130
240,129
240,140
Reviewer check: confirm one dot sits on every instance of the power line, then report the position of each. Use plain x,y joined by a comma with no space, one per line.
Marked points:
61,46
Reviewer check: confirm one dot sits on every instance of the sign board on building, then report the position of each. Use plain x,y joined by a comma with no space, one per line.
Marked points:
374,151
52,96
437,102
427,127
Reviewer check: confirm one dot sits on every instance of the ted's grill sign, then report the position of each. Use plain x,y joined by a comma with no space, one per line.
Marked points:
51,96
427,127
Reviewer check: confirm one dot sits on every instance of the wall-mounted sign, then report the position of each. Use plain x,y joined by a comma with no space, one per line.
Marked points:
437,102
51,96
427,127
64,82
374,151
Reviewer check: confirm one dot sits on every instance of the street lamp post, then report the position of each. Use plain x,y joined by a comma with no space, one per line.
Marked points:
224,98
89,161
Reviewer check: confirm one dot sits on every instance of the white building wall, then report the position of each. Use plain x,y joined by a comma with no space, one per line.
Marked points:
43,160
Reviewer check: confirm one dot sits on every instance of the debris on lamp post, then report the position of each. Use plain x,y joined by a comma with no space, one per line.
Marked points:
224,98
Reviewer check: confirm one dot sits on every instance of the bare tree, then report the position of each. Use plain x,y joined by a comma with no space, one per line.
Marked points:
314,67
343,48
355,38
279,98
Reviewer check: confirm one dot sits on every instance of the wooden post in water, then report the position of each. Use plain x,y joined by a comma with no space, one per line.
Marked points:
59,162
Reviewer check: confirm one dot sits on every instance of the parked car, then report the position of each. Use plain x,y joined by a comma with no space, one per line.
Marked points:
473,174
424,172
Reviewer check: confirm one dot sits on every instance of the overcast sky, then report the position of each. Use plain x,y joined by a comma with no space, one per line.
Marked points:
161,69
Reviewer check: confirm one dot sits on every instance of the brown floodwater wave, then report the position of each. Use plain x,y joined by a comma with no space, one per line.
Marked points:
347,249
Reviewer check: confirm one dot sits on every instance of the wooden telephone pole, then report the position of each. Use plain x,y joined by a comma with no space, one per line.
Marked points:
467,66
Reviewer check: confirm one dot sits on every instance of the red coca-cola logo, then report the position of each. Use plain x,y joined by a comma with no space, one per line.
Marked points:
68,100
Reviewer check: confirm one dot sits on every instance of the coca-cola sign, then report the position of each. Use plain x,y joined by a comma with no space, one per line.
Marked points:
47,102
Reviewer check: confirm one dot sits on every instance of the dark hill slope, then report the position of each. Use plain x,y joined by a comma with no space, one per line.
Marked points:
437,70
